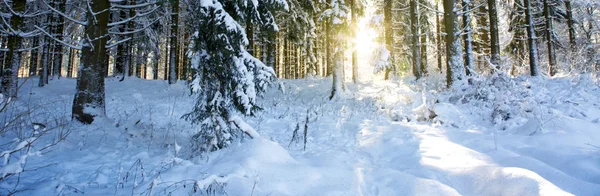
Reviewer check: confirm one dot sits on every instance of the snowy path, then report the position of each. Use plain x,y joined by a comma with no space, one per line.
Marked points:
385,157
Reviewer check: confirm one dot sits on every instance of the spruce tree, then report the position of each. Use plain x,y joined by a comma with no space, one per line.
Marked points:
228,80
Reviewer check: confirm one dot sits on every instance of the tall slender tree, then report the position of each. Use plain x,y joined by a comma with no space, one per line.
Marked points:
454,60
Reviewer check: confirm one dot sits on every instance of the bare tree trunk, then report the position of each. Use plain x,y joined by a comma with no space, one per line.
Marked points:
414,38
570,24
485,37
533,53
353,46
89,101
494,38
174,56
468,37
58,34
33,61
70,63
44,63
121,60
439,41
549,31
329,67
389,35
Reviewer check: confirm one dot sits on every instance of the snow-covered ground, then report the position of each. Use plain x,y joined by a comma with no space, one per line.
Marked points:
507,137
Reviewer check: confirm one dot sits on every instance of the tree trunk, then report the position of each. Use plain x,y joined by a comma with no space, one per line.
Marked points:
338,72
570,24
58,34
129,69
328,38
468,37
122,54
549,31
70,63
44,63
533,53
485,36
454,65
353,46
174,56
14,45
494,38
89,101
439,41
414,38
166,57
33,61
389,36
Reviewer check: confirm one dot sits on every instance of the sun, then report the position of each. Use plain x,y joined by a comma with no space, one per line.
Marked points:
364,44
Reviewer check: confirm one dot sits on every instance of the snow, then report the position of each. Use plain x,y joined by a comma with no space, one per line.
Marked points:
384,138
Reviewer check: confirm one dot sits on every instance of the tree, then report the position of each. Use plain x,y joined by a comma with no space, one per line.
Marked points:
494,38
468,37
388,34
454,60
336,14
89,101
354,10
549,38
571,24
414,30
533,53
174,54
13,57
228,79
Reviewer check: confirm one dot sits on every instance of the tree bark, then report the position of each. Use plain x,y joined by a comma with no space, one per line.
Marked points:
494,38
570,24
533,53
439,41
58,34
454,65
89,101
389,36
549,30
468,37
174,56
354,52
33,61
121,60
14,55
71,63
414,38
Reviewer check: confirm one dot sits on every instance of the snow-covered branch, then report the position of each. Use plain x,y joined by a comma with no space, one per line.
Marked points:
64,15
58,40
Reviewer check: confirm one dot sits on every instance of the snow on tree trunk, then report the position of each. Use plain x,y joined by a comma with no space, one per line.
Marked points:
14,45
89,101
455,69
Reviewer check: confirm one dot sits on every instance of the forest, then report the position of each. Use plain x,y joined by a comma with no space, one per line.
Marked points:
300,97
